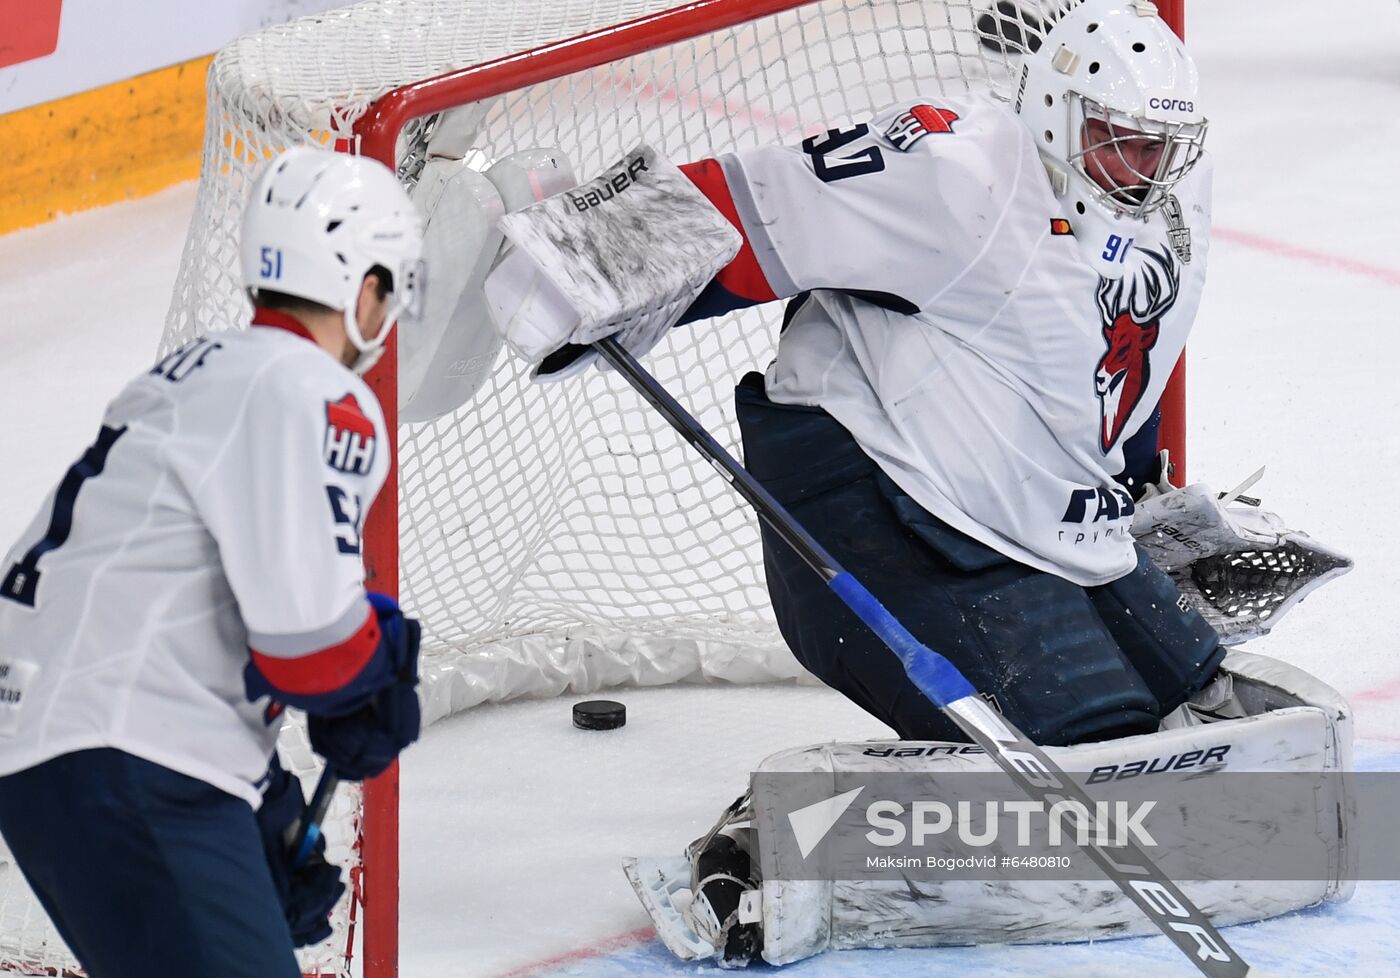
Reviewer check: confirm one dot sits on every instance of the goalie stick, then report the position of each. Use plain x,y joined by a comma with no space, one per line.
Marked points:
1028,766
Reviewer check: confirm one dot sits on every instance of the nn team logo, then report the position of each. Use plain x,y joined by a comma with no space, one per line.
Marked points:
1131,309
349,441
917,123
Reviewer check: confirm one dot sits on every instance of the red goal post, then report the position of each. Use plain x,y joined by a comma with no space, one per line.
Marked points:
378,132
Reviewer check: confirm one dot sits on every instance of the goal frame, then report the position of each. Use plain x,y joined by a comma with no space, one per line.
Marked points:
376,135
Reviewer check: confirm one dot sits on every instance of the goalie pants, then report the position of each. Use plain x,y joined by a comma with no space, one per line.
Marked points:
1066,664
147,873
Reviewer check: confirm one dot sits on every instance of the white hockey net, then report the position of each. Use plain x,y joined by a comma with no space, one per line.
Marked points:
558,538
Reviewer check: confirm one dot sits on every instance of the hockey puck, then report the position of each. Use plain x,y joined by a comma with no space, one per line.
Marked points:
599,715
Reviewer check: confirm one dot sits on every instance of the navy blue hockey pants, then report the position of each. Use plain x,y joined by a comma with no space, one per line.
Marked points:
146,873
1067,664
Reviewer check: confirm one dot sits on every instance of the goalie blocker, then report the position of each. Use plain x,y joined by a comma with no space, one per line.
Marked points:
1281,720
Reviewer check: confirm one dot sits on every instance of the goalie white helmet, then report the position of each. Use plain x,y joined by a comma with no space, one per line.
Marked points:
317,222
1111,97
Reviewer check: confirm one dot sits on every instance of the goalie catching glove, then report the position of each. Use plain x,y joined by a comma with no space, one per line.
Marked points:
1239,565
623,255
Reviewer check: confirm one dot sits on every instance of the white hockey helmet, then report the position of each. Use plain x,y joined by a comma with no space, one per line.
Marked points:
1111,97
317,222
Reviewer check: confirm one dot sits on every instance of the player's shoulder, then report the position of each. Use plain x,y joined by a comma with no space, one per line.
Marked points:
315,377
976,143
285,360
295,375
948,125
956,155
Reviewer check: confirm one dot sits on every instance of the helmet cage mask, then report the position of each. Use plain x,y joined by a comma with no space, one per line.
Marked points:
1098,132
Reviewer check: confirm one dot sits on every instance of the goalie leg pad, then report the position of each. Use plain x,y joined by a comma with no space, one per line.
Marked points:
1293,723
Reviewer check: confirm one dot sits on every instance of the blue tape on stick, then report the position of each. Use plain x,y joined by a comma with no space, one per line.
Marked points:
936,677
308,845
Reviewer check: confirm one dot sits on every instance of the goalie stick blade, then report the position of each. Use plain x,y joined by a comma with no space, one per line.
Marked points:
656,881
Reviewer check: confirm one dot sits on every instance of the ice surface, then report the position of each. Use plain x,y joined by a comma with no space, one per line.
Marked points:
514,822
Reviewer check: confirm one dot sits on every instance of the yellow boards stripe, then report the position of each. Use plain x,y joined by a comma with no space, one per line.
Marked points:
114,143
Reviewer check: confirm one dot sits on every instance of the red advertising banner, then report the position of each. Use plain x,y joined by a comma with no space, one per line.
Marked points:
28,29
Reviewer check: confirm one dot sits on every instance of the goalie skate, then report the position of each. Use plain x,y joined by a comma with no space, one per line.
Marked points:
721,916
663,885
659,882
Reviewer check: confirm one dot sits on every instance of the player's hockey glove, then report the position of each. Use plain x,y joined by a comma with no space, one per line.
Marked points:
309,892
363,742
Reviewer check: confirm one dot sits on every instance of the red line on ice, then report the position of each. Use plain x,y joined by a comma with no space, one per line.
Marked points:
595,950
1389,276
1379,694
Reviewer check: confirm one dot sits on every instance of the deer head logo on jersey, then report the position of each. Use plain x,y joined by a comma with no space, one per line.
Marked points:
1132,308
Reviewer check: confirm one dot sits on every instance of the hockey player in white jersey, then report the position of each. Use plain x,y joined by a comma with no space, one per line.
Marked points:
985,300
985,303
194,573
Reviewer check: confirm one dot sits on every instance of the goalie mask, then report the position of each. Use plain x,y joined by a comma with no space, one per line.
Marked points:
1110,95
317,222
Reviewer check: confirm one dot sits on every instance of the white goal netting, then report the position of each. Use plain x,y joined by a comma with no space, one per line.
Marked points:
557,538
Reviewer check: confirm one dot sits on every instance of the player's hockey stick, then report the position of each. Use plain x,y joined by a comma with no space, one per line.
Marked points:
1040,777
309,829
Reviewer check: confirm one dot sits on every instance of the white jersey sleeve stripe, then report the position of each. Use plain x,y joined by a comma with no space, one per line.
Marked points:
295,645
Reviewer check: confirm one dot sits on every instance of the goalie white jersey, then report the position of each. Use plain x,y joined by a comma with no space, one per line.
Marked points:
987,344
218,511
